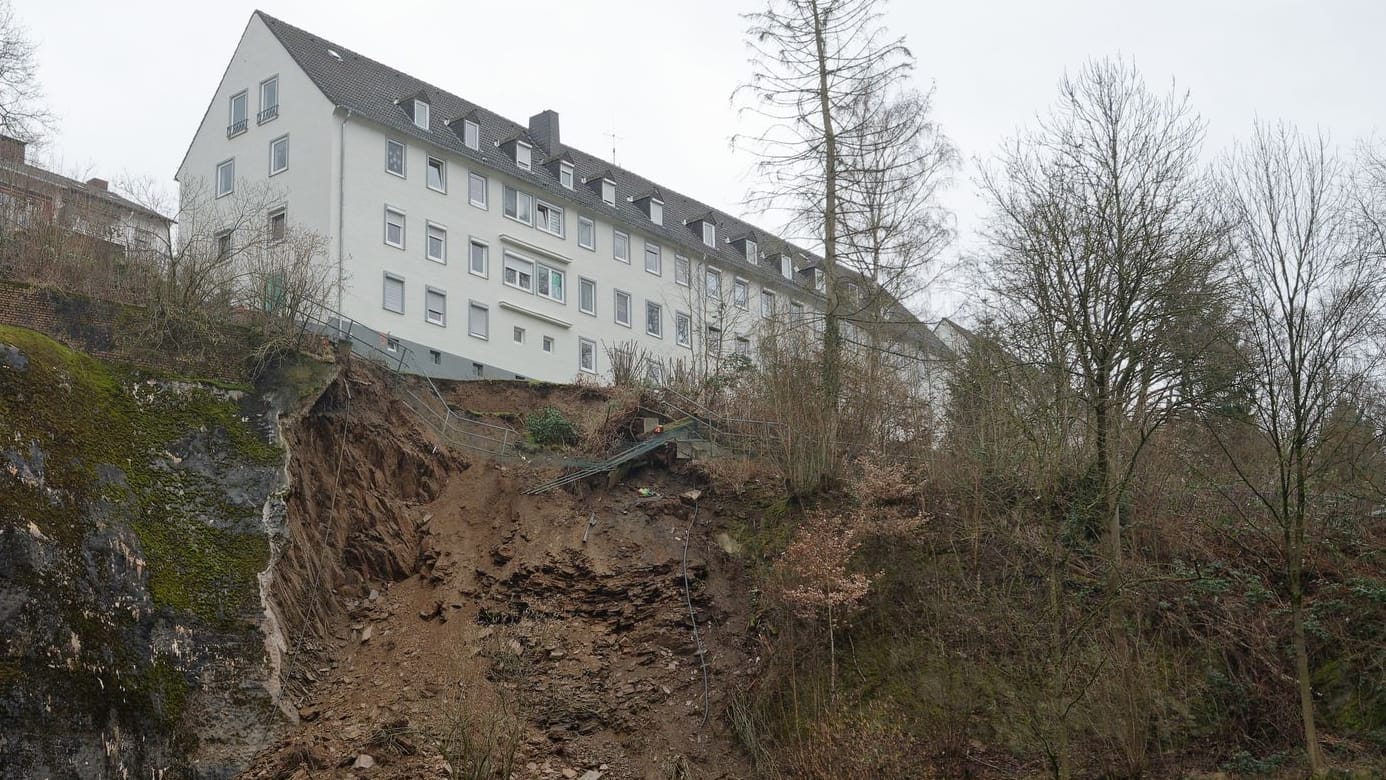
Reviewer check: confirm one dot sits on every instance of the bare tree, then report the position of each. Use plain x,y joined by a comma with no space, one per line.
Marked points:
23,114
1310,276
1106,262
812,61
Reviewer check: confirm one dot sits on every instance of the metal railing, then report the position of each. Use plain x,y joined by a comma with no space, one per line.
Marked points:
236,128
267,114
740,433
417,392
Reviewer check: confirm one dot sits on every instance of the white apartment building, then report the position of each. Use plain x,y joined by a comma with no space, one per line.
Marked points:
487,247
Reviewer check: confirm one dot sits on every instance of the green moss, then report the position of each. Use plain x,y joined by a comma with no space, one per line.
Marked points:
9,673
168,691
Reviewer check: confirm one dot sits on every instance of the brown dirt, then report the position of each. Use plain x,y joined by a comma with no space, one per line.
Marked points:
464,607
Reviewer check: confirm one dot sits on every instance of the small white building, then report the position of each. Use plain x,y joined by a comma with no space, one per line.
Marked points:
487,247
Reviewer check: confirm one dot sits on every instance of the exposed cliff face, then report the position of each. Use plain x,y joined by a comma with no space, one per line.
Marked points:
136,514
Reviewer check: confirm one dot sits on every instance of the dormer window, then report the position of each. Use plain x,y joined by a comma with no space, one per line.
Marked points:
710,234
565,175
609,192
522,155
657,211
786,266
420,114
471,134
752,252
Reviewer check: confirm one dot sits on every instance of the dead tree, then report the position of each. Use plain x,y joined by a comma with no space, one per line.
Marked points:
1105,262
1310,276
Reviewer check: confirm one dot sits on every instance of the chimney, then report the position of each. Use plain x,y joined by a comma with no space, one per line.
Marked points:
543,127
12,149
98,184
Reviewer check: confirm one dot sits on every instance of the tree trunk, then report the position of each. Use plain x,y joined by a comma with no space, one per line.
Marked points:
832,338
1306,691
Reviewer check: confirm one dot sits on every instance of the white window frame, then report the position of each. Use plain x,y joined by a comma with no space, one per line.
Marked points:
546,344
429,229
230,165
403,171
472,308
473,179
585,284
506,258
658,256
616,236
524,156
616,298
709,274
442,320
591,226
422,112
548,274
684,339
752,252
506,192
517,334
683,271
442,168
227,238
403,227
385,293
565,175
657,211
544,224
231,121
281,212
609,192
787,265
472,245
767,303
471,134
656,309
742,346
796,311
741,294
267,106
284,139
709,234
584,345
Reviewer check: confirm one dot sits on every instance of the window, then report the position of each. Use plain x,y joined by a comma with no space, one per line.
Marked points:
548,343
709,234
479,257
522,155
620,246
519,206
436,307
436,357
391,344
394,294
741,294
548,218
796,311
713,340
587,355
653,263
223,245
683,329
786,266
587,233
657,211
236,122
654,372
478,322
519,335
519,273
437,243
587,296
437,175
420,114
471,134
609,192
752,252
478,370
743,346
476,190
279,155
278,225
394,227
623,308
767,303
226,177
682,271
269,100
565,174
712,283
550,283
394,157
654,319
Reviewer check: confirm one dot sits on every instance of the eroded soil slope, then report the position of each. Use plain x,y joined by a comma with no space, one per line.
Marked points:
507,639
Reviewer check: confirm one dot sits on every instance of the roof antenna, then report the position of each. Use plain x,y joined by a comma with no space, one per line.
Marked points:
614,138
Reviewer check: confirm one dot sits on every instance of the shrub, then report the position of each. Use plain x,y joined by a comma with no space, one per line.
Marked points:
548,426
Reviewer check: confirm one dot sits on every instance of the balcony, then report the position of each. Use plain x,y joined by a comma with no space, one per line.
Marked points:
236,128
268,114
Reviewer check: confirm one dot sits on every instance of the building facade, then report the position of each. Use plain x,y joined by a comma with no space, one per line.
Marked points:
487,247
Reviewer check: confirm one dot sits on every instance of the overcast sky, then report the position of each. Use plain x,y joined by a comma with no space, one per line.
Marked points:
130,85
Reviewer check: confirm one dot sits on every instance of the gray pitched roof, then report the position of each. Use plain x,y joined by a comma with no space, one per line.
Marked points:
58,180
